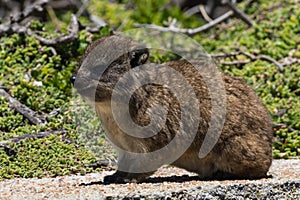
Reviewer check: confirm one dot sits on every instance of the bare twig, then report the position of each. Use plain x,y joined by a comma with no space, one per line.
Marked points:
4,88
97,22
82,8
193,10
9,27
236,62
287,61
269,59
200,8
34,136
53,17
290,129
191,32
107,164
11,151
18,15
31,115
17,28
224,55
53,51
196,9
62,39
36,6
204,13
243,62
238,13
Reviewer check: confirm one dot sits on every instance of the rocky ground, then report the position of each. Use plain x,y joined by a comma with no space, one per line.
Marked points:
167,183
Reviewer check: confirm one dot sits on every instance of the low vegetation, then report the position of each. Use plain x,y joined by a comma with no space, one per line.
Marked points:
38,76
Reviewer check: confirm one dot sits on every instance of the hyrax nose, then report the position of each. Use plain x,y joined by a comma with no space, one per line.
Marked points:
72,79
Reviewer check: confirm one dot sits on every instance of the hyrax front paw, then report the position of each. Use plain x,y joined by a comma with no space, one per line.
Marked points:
125,177
113,179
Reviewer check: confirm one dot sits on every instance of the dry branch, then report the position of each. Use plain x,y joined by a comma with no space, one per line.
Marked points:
194,10
287,61
234,11
269,59
18,15
280,125
31,115
243,62
29,9
238,13
62,39
191,32
28,136
11,151
8,150
107,164
236,62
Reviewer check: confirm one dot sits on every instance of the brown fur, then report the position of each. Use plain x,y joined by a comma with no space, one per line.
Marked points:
244,149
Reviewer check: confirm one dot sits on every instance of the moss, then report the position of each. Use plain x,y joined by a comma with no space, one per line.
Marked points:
45,157
24,62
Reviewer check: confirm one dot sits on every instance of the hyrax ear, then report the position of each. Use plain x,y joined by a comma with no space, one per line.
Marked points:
138,57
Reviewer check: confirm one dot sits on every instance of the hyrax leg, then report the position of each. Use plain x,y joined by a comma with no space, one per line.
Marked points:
251,159
134,167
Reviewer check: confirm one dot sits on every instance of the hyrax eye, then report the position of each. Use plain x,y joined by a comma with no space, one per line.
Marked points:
72,79
139,57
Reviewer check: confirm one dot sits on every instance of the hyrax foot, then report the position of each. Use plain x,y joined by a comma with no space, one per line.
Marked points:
125,177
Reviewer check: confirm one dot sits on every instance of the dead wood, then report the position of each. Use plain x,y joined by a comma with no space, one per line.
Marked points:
31,115
10,151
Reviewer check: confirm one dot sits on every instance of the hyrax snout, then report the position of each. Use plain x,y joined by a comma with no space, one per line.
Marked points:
242,150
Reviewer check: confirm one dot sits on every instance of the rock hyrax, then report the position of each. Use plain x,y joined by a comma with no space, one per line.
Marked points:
244,148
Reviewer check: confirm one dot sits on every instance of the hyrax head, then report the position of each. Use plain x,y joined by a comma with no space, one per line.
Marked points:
104,62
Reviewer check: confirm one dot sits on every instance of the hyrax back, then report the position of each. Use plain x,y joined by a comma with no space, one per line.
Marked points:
244,148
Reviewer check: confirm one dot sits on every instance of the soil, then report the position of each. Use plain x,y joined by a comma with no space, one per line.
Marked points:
166,183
